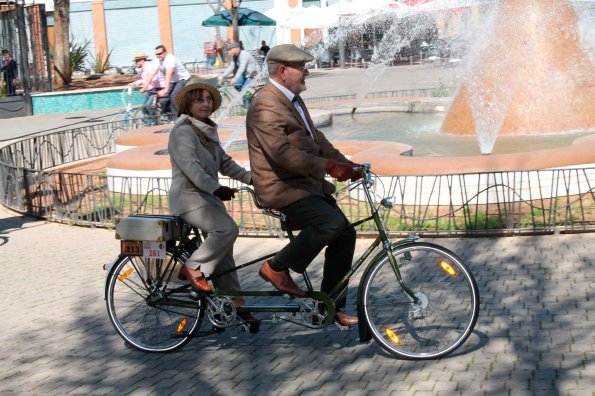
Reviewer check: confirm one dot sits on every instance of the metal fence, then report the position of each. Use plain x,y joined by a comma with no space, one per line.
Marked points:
495,203
442,91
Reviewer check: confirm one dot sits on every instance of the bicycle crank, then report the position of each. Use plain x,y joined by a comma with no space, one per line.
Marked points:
312,315
221,311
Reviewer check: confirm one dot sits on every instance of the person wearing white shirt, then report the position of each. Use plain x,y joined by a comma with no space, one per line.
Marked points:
175,74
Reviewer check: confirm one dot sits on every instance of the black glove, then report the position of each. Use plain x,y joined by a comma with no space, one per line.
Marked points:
224,193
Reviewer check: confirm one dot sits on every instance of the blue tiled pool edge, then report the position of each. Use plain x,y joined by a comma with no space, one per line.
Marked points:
69,101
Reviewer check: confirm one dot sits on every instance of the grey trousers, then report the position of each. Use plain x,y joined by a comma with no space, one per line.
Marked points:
215,255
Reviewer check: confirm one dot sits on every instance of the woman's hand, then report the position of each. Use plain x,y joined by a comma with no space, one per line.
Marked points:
225,193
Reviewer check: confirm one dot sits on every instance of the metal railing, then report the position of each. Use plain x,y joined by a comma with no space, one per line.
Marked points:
442,91
495,203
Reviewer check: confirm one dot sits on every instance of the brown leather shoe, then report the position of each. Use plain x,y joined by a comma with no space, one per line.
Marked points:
345,320
196,279
281,280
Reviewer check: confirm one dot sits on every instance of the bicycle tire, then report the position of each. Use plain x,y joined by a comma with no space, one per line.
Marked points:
139,309
119,121
141,119
448,308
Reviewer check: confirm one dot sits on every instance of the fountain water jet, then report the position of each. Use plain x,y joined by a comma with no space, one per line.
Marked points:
531,76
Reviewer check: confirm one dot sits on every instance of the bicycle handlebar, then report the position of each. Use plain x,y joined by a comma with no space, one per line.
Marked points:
364,169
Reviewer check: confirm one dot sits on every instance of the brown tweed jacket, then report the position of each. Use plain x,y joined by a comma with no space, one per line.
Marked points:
286,163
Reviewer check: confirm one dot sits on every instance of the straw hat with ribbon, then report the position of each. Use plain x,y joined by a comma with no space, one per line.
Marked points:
140,55
197,83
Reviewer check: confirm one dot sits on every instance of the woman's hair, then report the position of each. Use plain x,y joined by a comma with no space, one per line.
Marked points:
189,98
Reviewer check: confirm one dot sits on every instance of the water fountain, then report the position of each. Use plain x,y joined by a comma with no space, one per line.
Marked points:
531,75
528,73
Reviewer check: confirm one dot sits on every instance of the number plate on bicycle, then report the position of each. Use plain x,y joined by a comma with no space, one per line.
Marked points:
131,248
149,249
153,249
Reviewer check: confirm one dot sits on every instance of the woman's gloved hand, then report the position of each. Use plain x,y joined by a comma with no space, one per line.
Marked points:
224,193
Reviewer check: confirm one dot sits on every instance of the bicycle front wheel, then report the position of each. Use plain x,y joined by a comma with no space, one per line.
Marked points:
444,315
149,307
119,122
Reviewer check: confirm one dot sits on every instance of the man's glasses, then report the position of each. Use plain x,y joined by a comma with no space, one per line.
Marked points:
207,100
159,53
300,68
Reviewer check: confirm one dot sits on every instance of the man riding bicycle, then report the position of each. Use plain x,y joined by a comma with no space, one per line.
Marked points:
243,67
175,74
289,158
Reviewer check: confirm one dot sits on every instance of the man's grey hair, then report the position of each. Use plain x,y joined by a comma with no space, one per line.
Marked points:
273,68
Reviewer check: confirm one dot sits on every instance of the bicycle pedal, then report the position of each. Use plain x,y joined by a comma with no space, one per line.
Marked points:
250,327
218,330
341,327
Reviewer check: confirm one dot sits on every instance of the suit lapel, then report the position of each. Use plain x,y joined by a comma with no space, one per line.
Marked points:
296,114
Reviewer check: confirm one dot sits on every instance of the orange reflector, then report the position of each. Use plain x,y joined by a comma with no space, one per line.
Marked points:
182,325
448,268
125,275
392,335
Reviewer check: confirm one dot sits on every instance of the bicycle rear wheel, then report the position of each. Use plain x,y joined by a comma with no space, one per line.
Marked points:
147,305
448,302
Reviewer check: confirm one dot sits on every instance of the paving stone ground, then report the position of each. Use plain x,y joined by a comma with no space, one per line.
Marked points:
535,334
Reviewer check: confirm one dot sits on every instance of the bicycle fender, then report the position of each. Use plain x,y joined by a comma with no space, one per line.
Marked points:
108,269
364,332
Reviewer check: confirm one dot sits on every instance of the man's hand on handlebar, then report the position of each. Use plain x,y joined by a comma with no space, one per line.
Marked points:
341,171
357,173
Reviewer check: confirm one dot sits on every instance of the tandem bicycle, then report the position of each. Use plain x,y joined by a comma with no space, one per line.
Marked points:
418,300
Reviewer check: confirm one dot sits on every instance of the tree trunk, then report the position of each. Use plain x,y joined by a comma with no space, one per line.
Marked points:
63,73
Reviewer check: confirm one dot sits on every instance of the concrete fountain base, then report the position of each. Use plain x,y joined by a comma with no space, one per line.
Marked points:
143,153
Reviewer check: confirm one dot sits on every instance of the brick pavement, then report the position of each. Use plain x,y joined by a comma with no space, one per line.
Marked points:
535,334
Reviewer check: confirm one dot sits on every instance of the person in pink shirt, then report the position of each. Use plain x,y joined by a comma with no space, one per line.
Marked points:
141,61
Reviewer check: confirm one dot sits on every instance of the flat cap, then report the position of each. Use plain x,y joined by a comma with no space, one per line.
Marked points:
234,45
288,53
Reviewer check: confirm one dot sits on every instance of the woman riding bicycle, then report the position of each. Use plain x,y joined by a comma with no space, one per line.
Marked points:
141,60
196,195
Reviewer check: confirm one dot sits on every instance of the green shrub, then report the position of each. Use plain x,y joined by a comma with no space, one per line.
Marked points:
100,62
78,55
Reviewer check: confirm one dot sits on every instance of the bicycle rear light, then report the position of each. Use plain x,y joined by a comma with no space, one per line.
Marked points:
125,275
182,325
392,336
447,268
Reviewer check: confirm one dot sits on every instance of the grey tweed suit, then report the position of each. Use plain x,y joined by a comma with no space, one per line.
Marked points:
196,161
